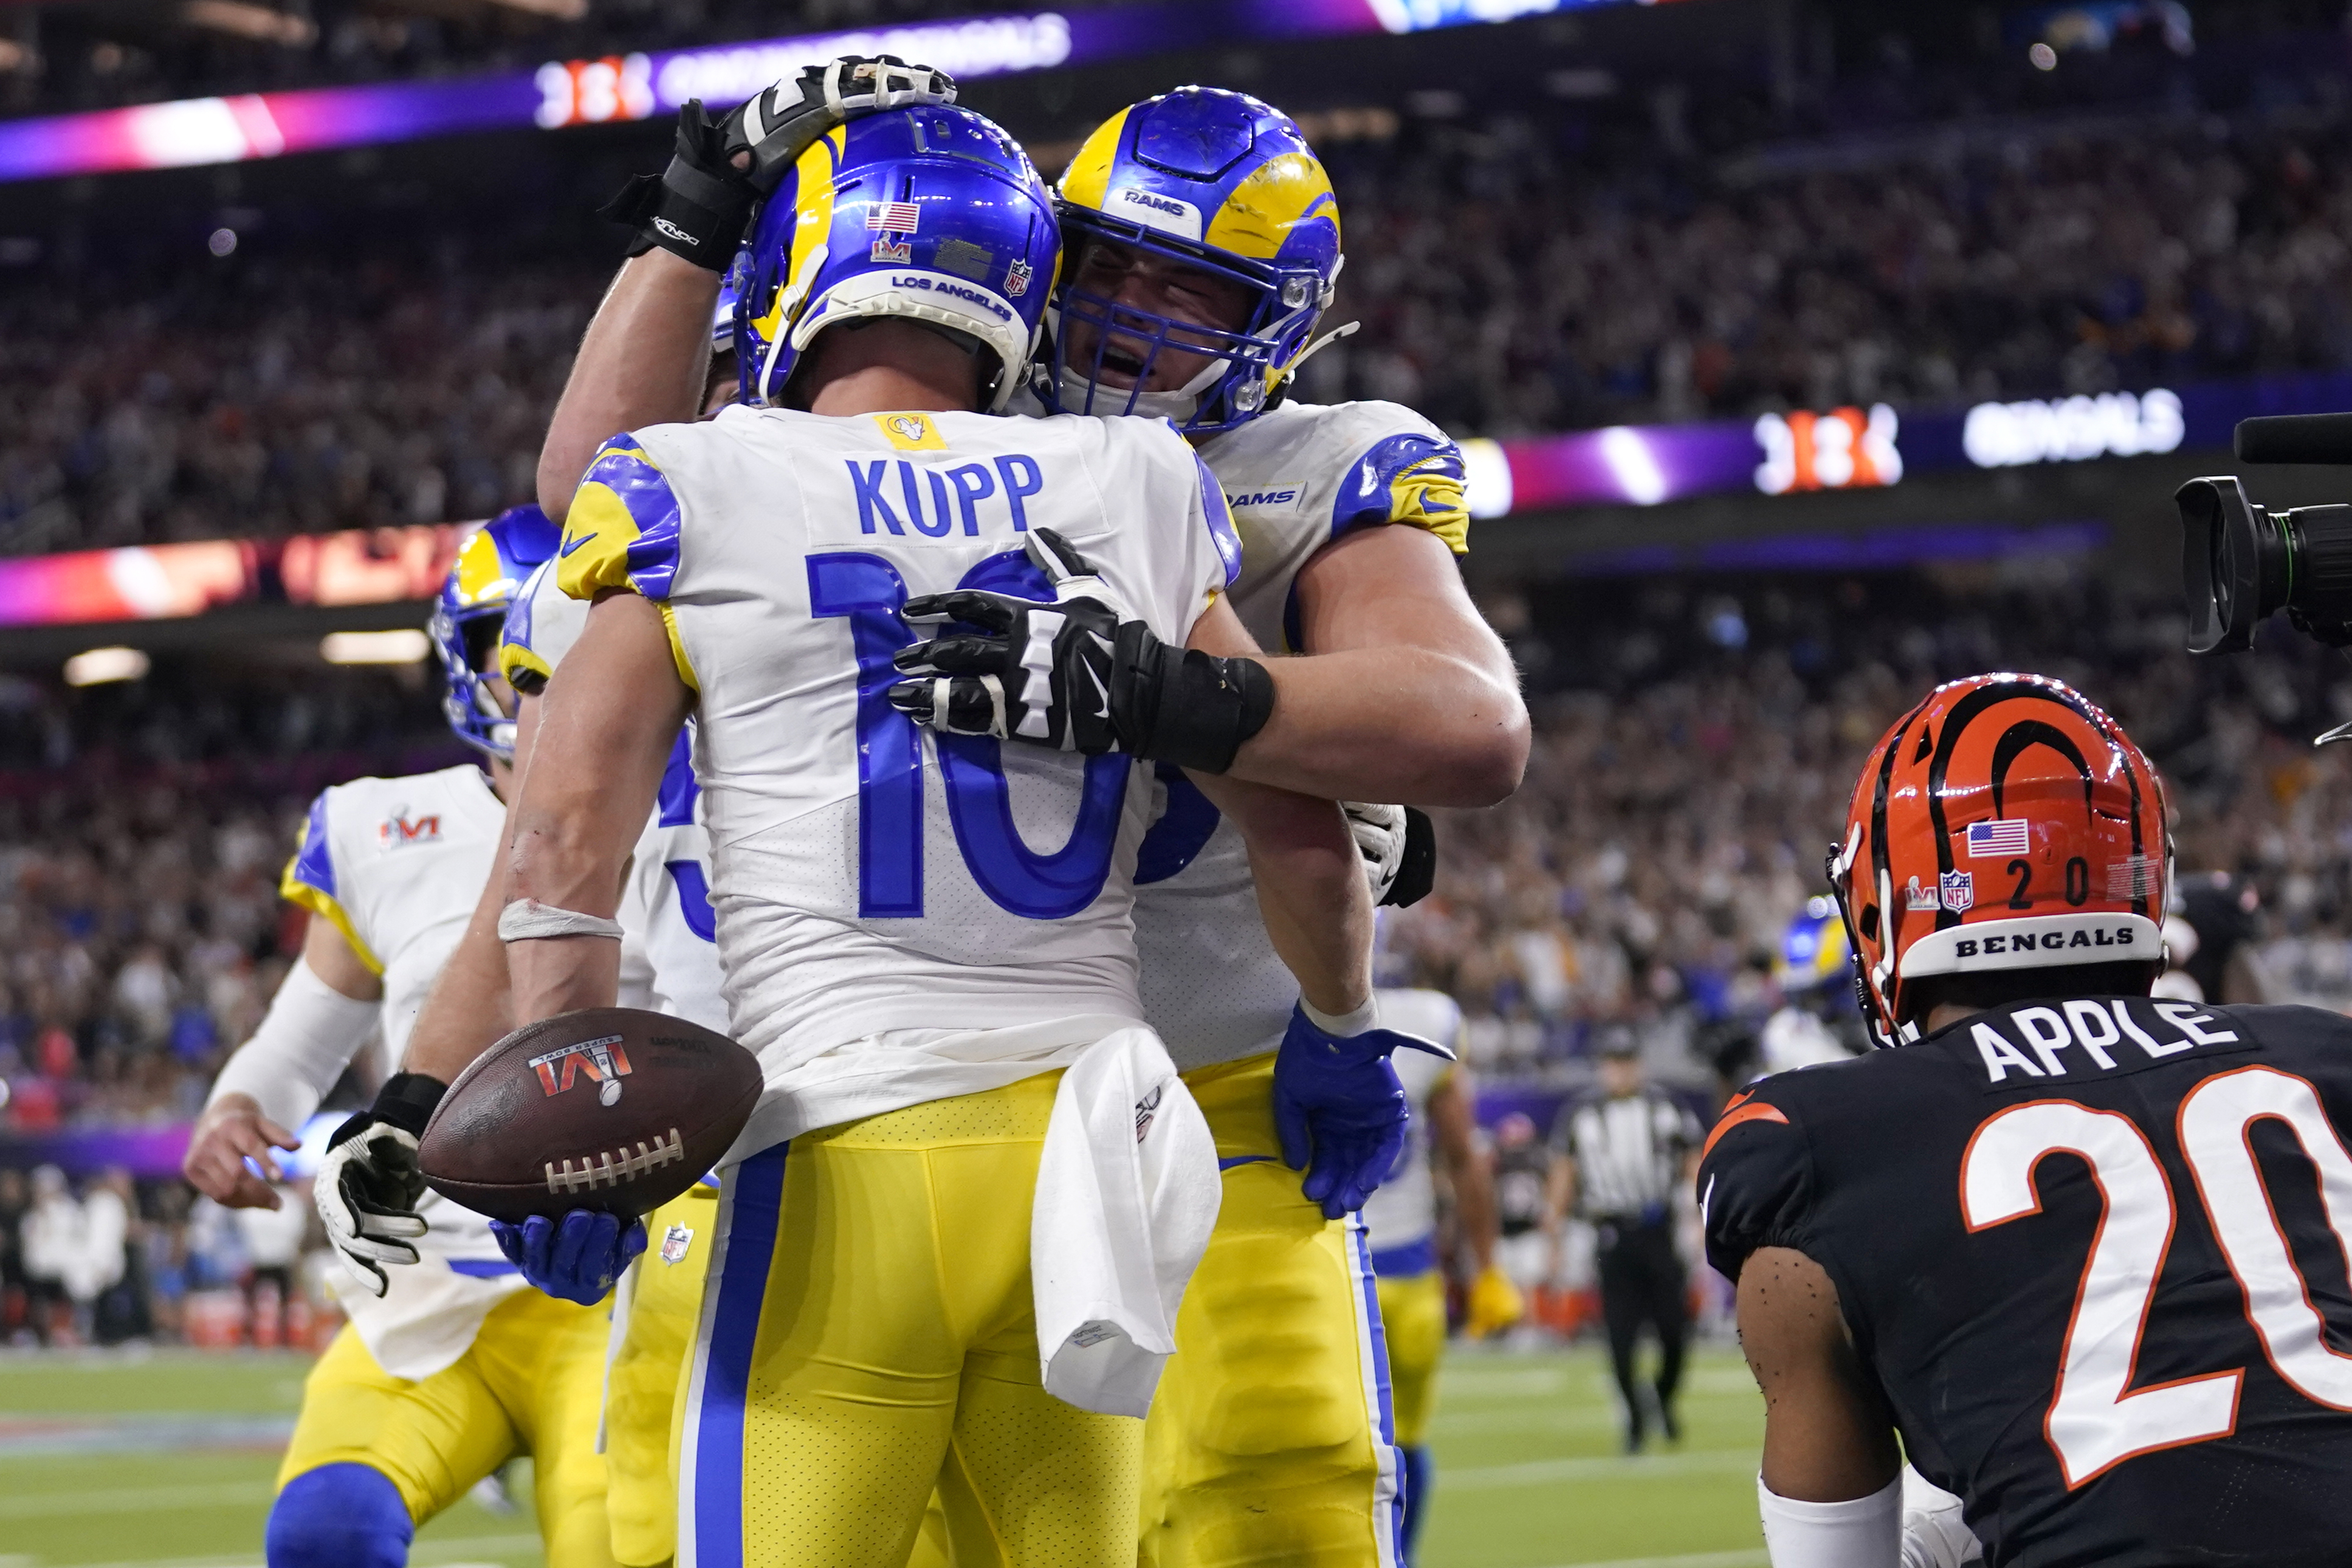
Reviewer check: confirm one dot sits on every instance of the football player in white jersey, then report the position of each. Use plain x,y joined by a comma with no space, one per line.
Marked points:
756,566
1400,1223
448,1367
1348,517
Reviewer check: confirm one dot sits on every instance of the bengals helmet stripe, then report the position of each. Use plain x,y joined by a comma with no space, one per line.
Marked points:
2018,780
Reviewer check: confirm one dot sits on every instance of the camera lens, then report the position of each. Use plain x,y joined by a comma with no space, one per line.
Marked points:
2234,564
2319,570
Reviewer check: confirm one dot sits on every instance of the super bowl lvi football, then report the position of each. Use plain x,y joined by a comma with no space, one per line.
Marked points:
608,1107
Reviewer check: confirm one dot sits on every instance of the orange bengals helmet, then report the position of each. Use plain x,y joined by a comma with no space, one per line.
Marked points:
2005,823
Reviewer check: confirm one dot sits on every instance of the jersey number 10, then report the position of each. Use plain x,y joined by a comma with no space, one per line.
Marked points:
868,590
2098,1420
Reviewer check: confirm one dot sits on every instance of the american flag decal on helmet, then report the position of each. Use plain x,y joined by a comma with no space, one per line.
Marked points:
2010,835
894,218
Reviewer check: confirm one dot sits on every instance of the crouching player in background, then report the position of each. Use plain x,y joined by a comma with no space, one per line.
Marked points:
450,1366
2081,1249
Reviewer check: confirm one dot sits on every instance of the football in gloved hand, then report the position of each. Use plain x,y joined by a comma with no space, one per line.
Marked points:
608,1107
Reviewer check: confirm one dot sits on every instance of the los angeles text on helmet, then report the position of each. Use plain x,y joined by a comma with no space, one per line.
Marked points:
965,292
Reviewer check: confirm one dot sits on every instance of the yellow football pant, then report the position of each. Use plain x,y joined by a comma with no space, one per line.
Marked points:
1412,1314
867,1333
1269,1442
646,1384
531,1384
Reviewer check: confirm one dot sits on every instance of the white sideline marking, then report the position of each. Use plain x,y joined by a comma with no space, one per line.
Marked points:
435,1553
1753,1557
1635,1468
136,1500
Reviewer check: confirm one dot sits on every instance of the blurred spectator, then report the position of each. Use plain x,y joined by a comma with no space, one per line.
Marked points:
273,1246
15,1198
57,1237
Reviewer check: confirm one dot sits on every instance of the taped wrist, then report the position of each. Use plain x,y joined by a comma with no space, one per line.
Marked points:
528,920
407,1101
1183,706
696,209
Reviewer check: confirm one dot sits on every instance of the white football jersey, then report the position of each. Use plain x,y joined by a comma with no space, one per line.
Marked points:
398,864
868,877
1402,1214
669,950
1295,479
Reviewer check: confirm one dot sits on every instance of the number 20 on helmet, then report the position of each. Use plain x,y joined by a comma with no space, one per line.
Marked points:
2005,823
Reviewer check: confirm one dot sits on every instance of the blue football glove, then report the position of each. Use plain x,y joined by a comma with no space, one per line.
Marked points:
1339,1111
576,1260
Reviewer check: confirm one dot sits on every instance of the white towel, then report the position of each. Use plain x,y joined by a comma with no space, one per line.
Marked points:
1127,1194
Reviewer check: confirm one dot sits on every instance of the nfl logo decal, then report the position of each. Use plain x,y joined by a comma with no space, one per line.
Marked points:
674,1241
1958,890
1016,279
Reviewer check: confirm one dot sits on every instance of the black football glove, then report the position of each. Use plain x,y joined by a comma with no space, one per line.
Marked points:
696,209
368,1182
1081,673
699,207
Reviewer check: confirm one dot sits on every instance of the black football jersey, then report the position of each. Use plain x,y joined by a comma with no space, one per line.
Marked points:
2094,1253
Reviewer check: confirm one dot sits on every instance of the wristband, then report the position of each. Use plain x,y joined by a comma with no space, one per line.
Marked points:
407,1101
1343,1025
1187,707
528,920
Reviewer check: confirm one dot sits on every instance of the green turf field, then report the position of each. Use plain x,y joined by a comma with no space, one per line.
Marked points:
164,1461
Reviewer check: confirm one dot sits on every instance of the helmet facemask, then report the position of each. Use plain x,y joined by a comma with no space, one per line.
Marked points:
1245,368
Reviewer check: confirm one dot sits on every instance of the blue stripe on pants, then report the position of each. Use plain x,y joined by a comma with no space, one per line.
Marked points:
754,1209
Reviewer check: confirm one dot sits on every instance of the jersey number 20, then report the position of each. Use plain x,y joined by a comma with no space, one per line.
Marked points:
2098,1419
868,591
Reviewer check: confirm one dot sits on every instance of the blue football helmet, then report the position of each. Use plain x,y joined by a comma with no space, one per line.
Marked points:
932,214
472,608
1212,180
1813,951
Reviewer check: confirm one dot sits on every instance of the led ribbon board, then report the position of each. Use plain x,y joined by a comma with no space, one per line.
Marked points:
636,86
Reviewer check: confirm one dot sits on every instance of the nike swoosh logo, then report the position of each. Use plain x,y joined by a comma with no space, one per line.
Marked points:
1102,694
572,544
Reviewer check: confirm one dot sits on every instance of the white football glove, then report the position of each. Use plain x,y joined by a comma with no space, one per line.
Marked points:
369,1183
785,120
1378,832
1934,1533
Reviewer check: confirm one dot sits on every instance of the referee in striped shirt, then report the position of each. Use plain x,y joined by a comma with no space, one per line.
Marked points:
1618,1160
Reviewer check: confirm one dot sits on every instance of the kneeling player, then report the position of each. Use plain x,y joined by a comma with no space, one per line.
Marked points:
448,1367
2084,1251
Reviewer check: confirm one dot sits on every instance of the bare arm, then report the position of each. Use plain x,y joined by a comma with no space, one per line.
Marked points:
1410,697
233,1127
643,362
1560,1192
1452,1124
1827,1435
606,724
469,1006
1310,880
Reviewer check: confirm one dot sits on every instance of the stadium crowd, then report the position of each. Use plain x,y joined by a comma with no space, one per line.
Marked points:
1508,280
1637,882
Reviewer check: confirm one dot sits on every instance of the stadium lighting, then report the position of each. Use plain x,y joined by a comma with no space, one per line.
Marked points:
101,666
405,645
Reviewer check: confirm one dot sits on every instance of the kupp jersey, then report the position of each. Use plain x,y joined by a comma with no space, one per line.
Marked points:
867,877
1295,479
2093,1253
670,953
398,864
1401,1217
